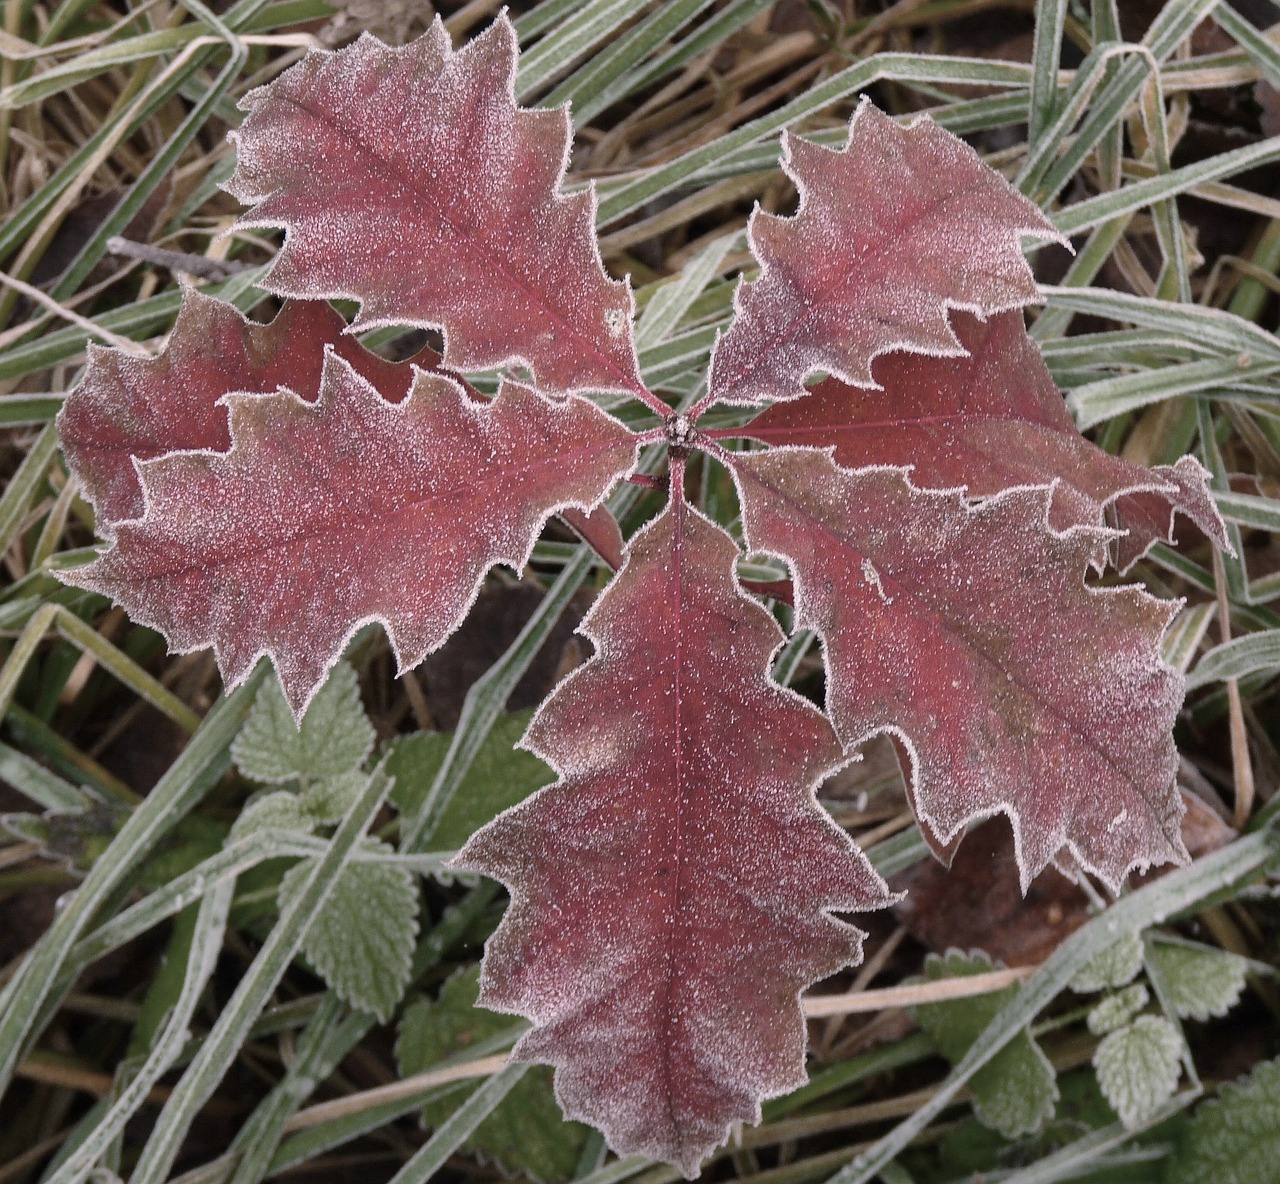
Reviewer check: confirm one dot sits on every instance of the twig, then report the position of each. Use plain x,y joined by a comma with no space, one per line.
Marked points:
191,264
1241,765
397,1091
917,993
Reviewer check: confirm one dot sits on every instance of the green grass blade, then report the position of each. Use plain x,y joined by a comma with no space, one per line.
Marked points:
1097,401
592,23
1237,658
671,302
1046,52
46,789
1171,27
254,991
628,196
25,484
585,87
457,1128
1209,327
1263,52
1261,513
188,779
709,34
1084,215
201,961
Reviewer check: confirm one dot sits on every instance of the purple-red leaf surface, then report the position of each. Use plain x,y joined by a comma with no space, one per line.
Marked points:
409,179
127,407
893,231
325,516
968,630
990,421
671,893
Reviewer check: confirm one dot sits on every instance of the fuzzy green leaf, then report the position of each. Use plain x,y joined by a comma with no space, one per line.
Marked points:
335,736
362,942
328,800
1117,1010
1116,966
280,810
1234,1139
1015,1093
526,1133
1138,1067
500,776
1198,982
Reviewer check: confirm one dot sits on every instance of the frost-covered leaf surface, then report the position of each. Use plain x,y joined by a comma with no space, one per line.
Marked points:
671,893
324,517
1234,1139
1015,1092
333,738
362,941
1149,517
1117,1010
969,631
893,231
990,421
408,179
328,800
280,810
526,1133
128,407
1197,982
1138,1067
500,776
1115,966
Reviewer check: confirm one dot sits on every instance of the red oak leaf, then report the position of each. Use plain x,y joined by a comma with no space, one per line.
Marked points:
990,421
127,407
671,893
408,179
968,630
894,230
325,516
1147,517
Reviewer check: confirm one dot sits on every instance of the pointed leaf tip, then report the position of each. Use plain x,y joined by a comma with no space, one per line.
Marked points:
326,516
672,892
968,630
446,198
990,420
893,231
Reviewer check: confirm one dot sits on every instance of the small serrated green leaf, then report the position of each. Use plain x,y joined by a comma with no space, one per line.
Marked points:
280,810
362,941
1234,1139
1117,1010
526,1133
1138,1067
335,736
1116,966
500,776
328,800
1015,1093
1198,982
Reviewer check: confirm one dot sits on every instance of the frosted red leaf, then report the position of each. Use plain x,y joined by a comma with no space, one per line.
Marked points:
408,179
893,231
325,516
127,407
968,630
671,893
1147,517
990,421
